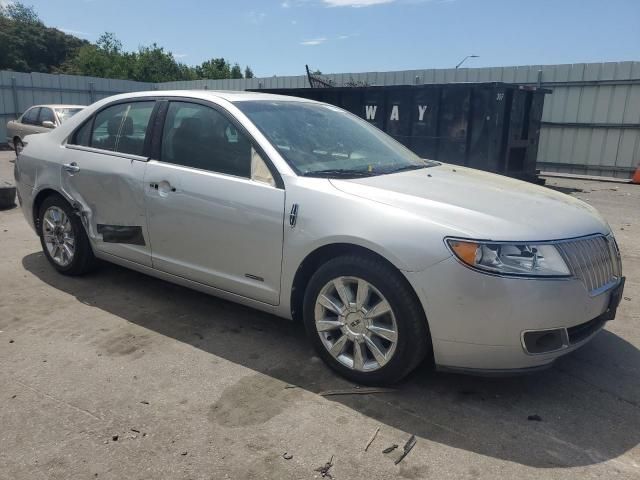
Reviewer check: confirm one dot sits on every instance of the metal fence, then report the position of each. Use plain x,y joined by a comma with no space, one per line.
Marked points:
591,121
19,91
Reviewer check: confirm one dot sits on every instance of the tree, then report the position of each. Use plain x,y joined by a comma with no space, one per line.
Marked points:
215,69
27,45
20,12
236,72
248,73
105,58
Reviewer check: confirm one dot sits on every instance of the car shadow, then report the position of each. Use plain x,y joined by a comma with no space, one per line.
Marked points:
583,411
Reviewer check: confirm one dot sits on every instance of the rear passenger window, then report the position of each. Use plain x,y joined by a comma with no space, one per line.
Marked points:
31,116
122,128
201,137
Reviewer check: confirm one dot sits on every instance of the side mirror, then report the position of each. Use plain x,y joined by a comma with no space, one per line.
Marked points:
48,124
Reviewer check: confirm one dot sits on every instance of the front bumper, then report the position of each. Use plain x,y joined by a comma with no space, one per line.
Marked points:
477,321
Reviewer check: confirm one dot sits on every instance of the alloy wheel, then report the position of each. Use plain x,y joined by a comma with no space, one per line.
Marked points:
356,324
58,235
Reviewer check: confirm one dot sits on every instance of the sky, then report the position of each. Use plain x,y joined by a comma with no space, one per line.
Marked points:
278,37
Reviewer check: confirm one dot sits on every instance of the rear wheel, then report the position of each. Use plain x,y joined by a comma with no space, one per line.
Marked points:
63,238
364,320
17,145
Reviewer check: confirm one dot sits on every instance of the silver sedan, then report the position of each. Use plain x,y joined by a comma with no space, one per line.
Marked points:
305,211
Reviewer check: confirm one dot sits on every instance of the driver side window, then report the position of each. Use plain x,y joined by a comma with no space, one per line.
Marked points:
201,137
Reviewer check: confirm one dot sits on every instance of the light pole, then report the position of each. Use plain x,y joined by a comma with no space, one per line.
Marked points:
465,58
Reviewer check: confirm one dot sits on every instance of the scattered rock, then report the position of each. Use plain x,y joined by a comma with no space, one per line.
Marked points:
184,453
324,470
534,418
134,430
287,456
390,449
114,438
13,396
10,341
144,402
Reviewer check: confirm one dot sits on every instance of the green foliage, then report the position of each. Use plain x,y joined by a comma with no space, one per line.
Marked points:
236,72
27,45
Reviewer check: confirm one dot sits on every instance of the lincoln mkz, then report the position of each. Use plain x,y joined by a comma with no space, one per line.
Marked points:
306,211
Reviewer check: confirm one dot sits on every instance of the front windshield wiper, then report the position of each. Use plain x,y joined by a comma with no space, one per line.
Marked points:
412,167
339,172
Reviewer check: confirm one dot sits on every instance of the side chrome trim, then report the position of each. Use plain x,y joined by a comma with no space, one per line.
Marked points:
293,216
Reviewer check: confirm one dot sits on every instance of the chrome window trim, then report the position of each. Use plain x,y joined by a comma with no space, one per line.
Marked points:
111,153
212,173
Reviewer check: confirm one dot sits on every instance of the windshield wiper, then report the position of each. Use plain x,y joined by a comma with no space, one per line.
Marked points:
407,167
339,172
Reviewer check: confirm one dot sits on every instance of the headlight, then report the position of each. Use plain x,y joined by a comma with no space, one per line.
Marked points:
518,259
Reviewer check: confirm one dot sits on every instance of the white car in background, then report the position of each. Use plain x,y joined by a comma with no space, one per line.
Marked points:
303,210
38,119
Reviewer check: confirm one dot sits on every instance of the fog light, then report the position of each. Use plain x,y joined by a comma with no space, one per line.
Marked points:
544,341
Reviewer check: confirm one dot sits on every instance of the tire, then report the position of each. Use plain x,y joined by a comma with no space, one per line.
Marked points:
82,260
406,317
17,145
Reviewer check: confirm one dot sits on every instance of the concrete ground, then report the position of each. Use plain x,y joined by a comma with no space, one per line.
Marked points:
119,375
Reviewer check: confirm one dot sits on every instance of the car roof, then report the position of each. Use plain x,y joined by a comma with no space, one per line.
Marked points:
229,95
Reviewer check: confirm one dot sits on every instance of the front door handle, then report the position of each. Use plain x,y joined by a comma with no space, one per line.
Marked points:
71,167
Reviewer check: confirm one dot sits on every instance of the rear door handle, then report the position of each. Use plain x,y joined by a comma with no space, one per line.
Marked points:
71,167
163,187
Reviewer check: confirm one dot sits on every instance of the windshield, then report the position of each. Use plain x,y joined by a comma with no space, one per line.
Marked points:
65,114
326,141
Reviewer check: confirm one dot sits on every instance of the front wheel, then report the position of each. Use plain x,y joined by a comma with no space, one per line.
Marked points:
365,321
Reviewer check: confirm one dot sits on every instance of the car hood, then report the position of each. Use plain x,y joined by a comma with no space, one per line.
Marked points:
476,204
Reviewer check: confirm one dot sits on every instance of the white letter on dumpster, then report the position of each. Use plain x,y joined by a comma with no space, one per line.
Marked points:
421,110
371,111
395,115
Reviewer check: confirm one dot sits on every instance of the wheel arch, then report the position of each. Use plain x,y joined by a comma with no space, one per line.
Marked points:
37,202
322,254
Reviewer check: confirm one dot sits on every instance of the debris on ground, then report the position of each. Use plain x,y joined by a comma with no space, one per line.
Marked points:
324,470
144,402
184,453
114,438
10,341
390,449
290,386
134,430
287,456
355,391
373,437
407,448
534,418
628,299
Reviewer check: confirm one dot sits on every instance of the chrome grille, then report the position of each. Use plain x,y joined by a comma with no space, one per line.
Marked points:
594,260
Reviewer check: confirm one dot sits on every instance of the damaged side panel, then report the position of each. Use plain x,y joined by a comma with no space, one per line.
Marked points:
108,192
